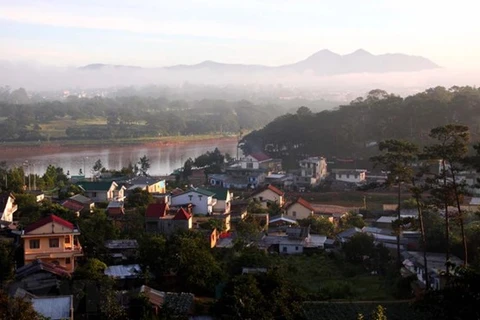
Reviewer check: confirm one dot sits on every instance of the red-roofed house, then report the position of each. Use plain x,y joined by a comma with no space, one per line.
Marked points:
54,240
255,160
269,194
299,209
157,219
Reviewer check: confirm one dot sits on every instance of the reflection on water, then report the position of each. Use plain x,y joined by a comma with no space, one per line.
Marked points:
163,160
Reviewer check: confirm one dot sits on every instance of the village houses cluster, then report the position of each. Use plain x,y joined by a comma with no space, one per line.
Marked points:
52,249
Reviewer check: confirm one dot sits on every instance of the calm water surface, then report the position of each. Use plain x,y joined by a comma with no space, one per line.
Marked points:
163,159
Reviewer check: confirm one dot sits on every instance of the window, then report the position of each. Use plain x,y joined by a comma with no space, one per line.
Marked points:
284,249
67,239
54,243
296,248
294,213
68,261
250,165
34,244
94,194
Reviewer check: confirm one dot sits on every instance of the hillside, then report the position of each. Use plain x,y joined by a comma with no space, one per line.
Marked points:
353,130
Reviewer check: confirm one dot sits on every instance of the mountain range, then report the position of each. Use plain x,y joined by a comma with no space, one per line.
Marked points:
324,62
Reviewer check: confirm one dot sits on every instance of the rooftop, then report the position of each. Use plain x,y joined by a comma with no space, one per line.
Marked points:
121,244
182,214
81,199
54,308
301,202
49,219
260,156
156,210
271,188
95,185
124,271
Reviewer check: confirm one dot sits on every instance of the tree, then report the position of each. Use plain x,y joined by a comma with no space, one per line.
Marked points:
16,309
92,270
397,158
152,254
260,296
144,164
451,150
352,220
97,167
139,198
6,261
318,225
187,169
360,245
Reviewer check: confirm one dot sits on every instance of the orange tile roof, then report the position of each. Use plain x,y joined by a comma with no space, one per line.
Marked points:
182,214
271,188
303,203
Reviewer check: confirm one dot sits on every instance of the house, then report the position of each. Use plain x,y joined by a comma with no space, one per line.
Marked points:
121,250
312,171
79,204
115,209
54,308
414,263
332,212
39,195
224,198
7,208
299,209
157,219
179,304
255,161
280,180
296,240
351,176
123,272
237,178
269,194
52,239
100,191
202,200
40,277
146,183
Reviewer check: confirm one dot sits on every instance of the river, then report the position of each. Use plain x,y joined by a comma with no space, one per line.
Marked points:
164,159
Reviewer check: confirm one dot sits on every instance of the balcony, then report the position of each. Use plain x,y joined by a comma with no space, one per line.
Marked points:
68,251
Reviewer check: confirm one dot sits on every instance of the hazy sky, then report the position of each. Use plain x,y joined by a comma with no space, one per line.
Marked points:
271,32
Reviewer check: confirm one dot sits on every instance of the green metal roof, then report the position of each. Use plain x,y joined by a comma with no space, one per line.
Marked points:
95,185
220,193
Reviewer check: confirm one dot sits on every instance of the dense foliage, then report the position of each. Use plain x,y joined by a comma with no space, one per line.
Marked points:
128,117
355,129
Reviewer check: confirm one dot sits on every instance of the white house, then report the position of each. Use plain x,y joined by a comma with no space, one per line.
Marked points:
202,200
224,198
100,191
299,209
7,208
347,175
269,194
254,160
312,171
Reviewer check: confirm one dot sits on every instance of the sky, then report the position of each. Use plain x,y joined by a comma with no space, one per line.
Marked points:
154,33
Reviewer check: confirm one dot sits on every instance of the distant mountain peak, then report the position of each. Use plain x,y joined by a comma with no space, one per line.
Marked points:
323,62
360,52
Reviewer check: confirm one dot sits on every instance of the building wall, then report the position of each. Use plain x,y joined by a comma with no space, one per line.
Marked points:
203,204
290,248
168,226
158,187
298,211
63,255
250,163
98,196
350,177
269,195
10,208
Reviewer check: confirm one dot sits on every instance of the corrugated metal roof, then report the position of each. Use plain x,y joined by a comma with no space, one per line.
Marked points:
124,271
54,308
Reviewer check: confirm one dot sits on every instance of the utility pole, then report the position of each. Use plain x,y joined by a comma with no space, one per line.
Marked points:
34,178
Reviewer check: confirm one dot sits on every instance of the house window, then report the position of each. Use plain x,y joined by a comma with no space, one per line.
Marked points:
250,165
34,244
294,213
190,197
68,261
67,239
94,194
296,248
54,243
284,249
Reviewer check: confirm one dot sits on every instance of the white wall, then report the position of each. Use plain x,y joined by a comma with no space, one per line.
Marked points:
350,177
290,248
202,204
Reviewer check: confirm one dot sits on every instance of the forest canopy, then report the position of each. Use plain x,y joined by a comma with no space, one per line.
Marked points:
354,130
